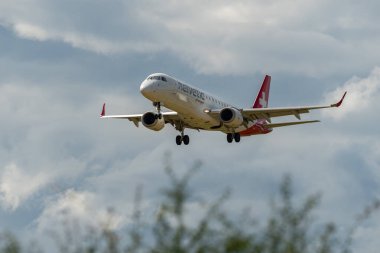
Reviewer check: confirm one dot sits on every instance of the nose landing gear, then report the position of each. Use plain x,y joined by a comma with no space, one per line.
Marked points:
158,108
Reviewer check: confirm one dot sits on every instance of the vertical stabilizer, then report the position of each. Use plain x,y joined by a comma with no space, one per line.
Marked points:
263,95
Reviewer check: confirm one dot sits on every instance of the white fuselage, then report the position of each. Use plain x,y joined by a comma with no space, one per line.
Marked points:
189,102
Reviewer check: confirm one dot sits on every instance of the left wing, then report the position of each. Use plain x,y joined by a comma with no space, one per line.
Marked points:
267,113
169,117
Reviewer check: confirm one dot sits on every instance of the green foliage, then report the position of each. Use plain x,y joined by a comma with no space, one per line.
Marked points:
9,243
290,228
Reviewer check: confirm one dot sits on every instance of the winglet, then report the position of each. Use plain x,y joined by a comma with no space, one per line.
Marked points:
340,101
103,110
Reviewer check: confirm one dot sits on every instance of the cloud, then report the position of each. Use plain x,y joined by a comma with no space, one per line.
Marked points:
36,144
65,58
82,40
16,185
312,38
53,137
362,97
77,206
31,32
101,162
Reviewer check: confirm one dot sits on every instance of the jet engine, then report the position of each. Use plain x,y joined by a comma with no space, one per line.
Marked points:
231,117
152,121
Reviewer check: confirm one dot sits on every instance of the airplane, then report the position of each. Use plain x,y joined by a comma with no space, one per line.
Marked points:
192,108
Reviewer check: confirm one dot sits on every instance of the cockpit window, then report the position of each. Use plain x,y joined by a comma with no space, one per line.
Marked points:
162,78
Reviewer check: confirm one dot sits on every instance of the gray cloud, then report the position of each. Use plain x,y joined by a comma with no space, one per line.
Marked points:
310,38
61,60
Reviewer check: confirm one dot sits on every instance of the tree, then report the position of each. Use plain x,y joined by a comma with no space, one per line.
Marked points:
290,228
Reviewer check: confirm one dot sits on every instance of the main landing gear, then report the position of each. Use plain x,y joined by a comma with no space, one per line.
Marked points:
233,136
182,138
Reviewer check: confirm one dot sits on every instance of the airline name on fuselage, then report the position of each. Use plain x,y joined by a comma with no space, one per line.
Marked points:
191,91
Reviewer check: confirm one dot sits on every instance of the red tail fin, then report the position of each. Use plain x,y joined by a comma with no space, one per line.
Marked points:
263,95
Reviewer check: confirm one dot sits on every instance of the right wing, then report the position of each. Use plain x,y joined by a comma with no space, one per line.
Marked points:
170,117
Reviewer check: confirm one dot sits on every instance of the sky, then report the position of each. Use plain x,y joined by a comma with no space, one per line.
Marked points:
60,60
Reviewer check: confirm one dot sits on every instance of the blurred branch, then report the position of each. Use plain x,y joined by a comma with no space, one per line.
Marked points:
365,215
9,243
290,227
135,235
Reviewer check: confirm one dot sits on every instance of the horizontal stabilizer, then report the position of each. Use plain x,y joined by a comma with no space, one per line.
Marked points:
290,123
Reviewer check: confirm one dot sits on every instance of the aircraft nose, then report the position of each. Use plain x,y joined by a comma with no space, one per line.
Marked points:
146,88
143,87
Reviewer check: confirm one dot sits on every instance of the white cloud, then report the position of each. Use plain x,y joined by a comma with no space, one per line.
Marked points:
72,217
77,206
31,32
362,97
16,185
82,40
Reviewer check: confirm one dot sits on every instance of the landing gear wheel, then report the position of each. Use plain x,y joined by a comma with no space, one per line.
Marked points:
233,136
229,138
186,140
237,137
181,138
178,139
